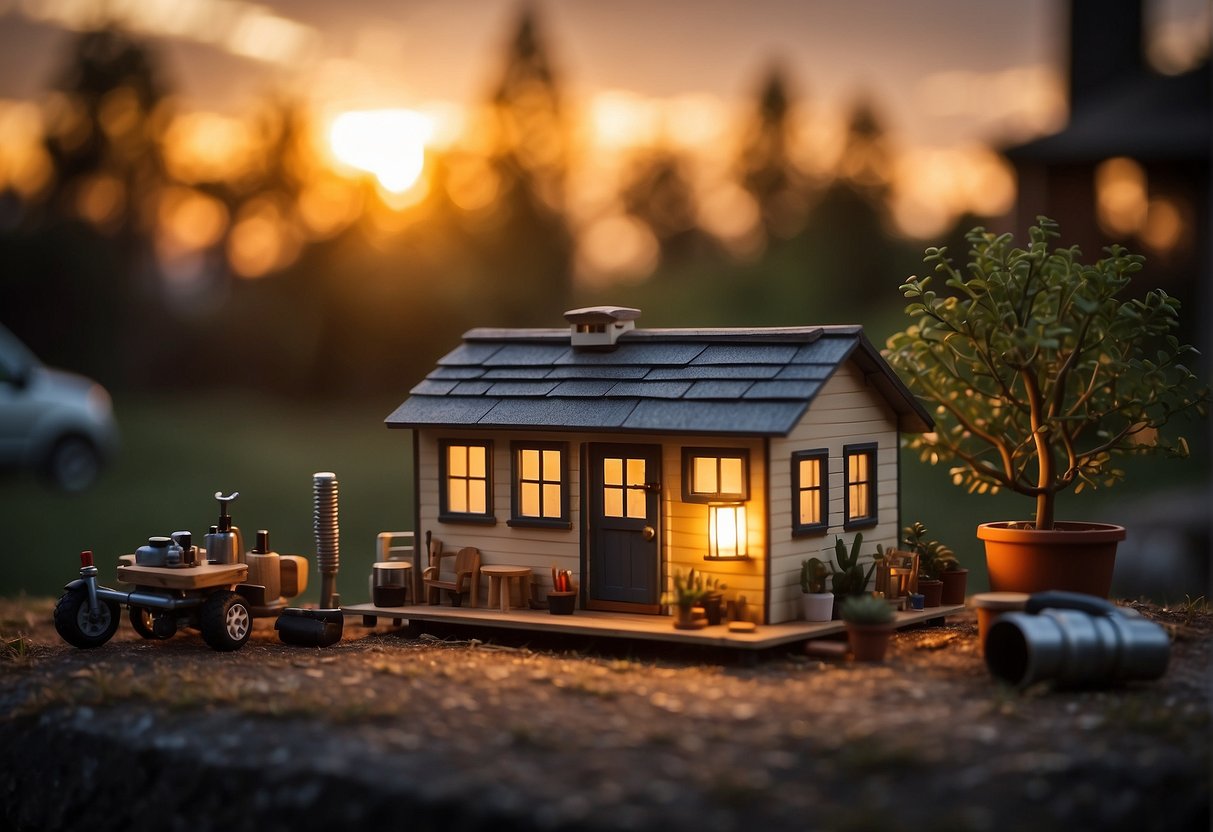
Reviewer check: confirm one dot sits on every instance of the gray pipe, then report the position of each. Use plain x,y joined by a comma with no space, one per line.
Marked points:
146,599
1075,641
328,536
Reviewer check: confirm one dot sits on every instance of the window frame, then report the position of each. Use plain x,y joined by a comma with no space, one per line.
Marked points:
688,469
517,519
445,515
870,519
822,456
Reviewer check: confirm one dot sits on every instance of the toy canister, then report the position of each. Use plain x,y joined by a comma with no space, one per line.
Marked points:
155,553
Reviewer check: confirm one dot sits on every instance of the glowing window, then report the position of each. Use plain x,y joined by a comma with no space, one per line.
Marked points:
715,475
810,491
623,488
541,495
465,471
859,496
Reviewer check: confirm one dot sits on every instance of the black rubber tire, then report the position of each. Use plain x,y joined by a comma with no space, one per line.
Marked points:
225,621
143,623
77,627
73,464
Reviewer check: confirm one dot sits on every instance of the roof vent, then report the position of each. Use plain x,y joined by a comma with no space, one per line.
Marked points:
599,327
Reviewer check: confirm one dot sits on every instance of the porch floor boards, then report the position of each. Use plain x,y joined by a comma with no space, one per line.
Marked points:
629,625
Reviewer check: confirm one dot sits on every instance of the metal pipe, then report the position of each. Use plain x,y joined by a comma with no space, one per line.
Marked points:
147,599
328,536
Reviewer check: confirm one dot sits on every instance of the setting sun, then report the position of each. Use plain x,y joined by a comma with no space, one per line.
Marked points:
390,144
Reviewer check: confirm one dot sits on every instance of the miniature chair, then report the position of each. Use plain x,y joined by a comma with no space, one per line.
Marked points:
466,576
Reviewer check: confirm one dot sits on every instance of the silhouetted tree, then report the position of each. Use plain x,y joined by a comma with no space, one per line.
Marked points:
766,167
657,192
529,248
80,284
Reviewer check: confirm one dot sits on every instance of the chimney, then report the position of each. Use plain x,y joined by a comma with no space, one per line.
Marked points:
599,327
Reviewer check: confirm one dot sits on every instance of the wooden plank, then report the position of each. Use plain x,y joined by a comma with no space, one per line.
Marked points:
624,625
205,576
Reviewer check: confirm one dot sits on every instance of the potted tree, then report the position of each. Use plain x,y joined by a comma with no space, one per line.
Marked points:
818,604
1043,374
869,625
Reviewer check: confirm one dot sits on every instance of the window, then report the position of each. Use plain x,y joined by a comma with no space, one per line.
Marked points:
466,471
810,491
859,497
715,475
623,488
541,484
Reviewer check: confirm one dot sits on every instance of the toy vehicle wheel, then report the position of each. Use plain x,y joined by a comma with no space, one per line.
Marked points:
225,621
77,625
146,625
73,464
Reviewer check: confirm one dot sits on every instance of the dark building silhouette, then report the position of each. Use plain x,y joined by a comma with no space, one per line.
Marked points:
1132,165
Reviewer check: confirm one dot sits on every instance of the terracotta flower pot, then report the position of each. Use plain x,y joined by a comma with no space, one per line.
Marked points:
955,582
932,591
1078,557
869,642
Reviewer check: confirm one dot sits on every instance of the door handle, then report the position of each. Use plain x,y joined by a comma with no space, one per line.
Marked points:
649,532
652,487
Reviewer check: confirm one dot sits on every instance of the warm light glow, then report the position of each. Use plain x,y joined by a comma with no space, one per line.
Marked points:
1120,196
1164,225
261,240
101,200
387,143
616,249
727,536
189,221
25,165
208,147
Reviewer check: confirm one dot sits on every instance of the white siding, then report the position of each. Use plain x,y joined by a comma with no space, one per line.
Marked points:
847,411
684,526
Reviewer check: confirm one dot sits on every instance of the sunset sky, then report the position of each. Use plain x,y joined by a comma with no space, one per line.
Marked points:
949,79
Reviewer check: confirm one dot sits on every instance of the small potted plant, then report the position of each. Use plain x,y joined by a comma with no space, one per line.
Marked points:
688,591
869,625
562,598
818,604
847,575
1042,373
935,560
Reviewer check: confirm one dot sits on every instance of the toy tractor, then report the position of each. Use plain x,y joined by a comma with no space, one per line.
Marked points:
170,584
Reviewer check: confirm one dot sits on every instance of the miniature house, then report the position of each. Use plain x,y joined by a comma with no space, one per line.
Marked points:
624,454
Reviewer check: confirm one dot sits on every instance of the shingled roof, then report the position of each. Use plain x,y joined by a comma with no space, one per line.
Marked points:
754,381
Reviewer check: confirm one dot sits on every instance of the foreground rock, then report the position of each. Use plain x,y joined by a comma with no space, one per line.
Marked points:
388,731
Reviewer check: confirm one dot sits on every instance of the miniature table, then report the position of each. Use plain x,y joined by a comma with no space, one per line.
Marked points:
499,573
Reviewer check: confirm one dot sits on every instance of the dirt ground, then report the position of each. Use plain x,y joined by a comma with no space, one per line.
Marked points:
445,731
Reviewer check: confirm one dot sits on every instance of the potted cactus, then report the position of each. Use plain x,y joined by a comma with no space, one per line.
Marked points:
689,590
713,599
1042,374
869,625
818,604
847,575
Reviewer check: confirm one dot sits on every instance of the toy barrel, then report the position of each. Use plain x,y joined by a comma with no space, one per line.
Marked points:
991,605
390,583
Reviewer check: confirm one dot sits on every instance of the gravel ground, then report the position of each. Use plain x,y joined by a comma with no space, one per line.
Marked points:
442,732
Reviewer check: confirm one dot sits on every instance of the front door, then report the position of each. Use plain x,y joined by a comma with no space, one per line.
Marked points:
624,513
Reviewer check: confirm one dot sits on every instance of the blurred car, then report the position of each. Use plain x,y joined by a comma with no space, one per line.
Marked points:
57,423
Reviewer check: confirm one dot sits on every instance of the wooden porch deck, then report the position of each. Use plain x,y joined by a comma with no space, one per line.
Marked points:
626,625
